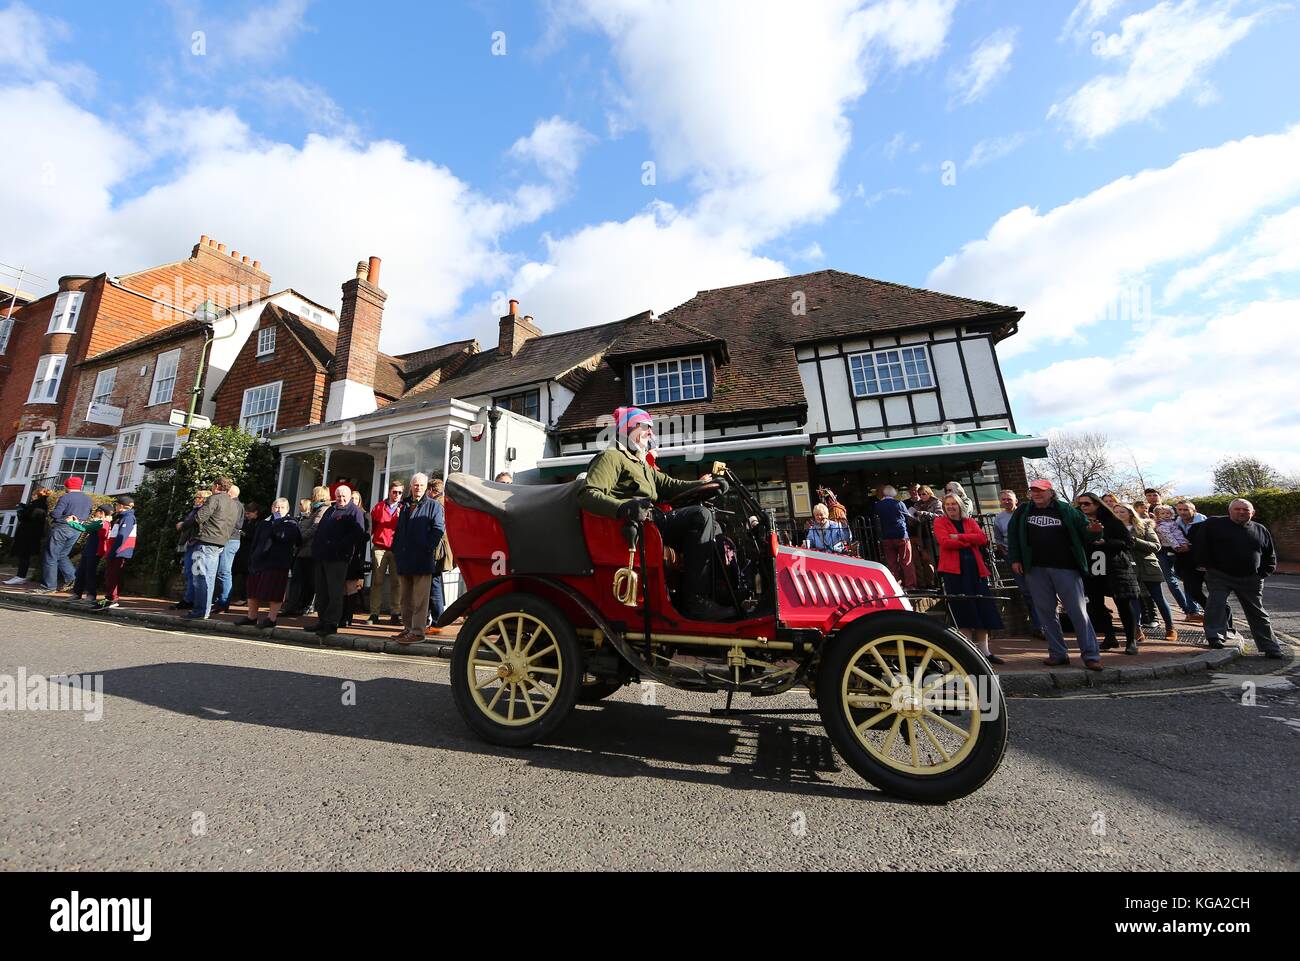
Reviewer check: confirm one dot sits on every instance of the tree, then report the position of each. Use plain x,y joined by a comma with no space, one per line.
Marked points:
1241,475
1083,461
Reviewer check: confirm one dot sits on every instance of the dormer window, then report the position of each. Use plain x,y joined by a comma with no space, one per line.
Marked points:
668,381
67,307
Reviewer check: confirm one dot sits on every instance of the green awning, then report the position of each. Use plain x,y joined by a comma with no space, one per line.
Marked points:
955,448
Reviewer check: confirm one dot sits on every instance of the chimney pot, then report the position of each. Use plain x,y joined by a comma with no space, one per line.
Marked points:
514,307
528,318
257,265
372,271
211,242
221,248
235,254
362,268
246,258
203,239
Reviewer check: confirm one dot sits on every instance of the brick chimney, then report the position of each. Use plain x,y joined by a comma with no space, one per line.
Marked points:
516,331
352,391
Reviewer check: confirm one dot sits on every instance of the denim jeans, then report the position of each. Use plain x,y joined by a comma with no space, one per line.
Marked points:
224,578
207,559
1046,584
435,598
1166,558
187,568
1155,589
58,568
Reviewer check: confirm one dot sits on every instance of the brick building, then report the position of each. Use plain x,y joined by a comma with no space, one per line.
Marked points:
90,373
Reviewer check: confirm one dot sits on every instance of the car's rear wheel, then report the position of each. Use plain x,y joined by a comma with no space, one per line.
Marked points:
912,707
516,669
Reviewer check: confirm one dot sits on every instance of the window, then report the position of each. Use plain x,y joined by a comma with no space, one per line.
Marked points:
164,378
18,457
890,371
126,452
67,306
526,402
6,325
261,405
80,462
8,522
42,465
45,385
162,445
104,381
265,341
666,381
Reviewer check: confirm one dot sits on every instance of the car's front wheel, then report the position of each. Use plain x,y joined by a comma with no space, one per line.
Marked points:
912,707
515,669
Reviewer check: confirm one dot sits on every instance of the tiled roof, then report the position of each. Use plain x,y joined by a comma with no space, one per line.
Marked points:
760,329
185,328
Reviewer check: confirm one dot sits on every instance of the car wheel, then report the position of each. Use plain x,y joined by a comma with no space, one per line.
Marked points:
912,707
515,670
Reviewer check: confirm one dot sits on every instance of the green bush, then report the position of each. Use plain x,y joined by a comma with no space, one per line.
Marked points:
1272,505
166,495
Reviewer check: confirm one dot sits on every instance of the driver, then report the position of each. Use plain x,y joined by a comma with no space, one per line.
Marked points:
622,481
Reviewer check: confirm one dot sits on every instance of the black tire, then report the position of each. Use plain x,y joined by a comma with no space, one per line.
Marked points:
596,690
482,716
971,771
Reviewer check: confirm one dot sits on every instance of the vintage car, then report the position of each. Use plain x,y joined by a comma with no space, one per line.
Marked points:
563,607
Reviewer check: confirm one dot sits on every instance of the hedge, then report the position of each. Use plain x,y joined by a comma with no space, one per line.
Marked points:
1272,505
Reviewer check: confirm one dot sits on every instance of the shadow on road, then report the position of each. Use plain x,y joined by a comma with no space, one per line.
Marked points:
615,739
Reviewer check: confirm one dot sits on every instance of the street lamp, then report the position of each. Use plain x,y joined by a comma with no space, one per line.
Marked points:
207,314
493,417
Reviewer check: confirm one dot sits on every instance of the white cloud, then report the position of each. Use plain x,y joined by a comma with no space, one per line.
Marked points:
307,212
1086,15
555,146
987,64
25,41
897,144
318,110
1164,52
1068,267
266,31
747,99
1186,400
654,260
994,148
1273,248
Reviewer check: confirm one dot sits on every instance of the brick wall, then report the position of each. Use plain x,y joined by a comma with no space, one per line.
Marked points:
359,323
131,389
1012,476
303,390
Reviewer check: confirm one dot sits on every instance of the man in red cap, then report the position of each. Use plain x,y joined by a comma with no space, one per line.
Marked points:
73,505
623,481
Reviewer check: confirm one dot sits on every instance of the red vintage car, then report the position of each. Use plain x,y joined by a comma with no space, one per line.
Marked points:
562,606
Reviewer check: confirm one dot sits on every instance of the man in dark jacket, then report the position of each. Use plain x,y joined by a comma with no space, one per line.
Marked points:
29,535
1045,543
1237,554
416,539
59,572
341,532
217,520
894,542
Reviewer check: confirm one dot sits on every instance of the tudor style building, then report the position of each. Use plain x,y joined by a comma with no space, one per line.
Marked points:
826,379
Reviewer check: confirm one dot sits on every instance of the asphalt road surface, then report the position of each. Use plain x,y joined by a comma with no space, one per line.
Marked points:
231,754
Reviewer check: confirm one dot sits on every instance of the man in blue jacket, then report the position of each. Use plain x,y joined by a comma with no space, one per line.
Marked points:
59,572
341,532
121,546
895,545
418,534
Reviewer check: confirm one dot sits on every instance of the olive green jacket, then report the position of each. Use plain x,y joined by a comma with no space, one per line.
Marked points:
1146,550
616,475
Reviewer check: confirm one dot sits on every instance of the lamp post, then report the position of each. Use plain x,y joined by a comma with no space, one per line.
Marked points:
206,313
493,415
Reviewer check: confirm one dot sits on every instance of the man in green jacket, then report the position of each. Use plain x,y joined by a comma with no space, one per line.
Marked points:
622,481
1045,543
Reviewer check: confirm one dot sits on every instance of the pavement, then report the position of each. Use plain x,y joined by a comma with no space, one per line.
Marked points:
230,753
1022,674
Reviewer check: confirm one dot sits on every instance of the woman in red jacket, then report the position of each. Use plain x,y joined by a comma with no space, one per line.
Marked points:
963,572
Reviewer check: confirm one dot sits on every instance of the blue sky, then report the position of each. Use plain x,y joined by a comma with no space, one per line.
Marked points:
1126,171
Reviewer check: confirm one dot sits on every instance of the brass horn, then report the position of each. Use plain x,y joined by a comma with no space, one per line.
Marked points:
626,581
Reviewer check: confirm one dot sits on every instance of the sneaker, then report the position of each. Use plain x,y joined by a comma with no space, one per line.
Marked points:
1215,643
67,588
1196,618
432,631
15,580
406,637
106,605
42,590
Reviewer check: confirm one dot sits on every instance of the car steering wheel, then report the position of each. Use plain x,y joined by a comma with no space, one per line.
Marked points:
696,495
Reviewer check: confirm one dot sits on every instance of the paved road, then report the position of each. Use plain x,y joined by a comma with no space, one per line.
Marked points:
217,754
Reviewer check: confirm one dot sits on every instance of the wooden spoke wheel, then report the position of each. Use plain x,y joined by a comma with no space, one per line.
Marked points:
516,669
912,707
